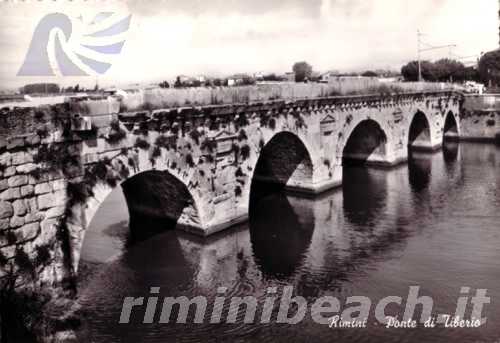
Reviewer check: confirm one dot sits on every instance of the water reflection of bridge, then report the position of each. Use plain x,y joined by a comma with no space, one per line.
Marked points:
335,234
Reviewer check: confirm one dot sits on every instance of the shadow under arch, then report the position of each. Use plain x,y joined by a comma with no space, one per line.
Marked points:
419,133
366,144
156,200
153,202
450,130
283,161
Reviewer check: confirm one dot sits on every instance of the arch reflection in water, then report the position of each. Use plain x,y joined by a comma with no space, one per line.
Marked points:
281,229
450,151
419,170
365,194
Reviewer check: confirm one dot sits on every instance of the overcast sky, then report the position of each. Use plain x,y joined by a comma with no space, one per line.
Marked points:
218,37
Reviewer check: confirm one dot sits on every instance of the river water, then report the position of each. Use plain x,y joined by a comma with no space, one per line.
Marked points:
433,223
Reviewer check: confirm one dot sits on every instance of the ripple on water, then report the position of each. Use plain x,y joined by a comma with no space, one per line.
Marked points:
432,224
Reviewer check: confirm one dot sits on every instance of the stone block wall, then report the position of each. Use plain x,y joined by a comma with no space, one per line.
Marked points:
56,168
480,118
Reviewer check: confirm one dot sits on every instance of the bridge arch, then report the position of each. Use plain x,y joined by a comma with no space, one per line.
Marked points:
419,132
150,191
451,128
285,160
367,142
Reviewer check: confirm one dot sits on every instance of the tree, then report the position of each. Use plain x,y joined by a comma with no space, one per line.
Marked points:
410,71
178,83
489,68
164,84
471,73
369,73
272,77
449,70
302,70
443,70
42,88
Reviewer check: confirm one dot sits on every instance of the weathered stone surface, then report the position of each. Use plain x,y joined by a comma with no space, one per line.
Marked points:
33,139
16,222
32,205
18,180
4,241
27,190
10,194
49,228
19,208
9,251
58,184
60,198
9,171
26,168
45,201
217,193
4,224
21,157
29,231
49,200
6,210
55,212
3,185
5,159
42,188
16,142
33,217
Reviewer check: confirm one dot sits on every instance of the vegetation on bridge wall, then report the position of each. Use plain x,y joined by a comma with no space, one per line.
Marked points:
52,165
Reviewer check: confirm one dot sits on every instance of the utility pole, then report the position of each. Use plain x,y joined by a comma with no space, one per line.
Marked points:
429,48
419,63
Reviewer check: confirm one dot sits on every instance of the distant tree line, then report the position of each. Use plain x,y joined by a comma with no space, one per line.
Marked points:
443,70
41,88
53,88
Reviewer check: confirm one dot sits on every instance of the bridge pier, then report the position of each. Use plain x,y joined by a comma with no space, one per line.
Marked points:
193,166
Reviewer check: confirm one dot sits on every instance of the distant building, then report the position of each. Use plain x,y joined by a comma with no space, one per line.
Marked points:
183,78
258,76
240,79
335,77
325,77
290,76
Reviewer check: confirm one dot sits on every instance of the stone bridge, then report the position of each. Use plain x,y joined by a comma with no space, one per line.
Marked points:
192,166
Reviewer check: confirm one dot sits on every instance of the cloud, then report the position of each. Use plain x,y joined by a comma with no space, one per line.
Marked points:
170,37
